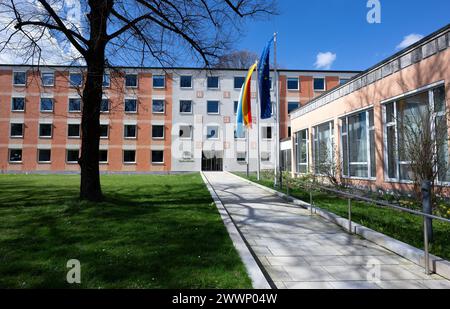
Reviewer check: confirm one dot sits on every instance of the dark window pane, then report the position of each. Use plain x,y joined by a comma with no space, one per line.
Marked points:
159,81
45,130
103,156
72,156
104,130
157,156
267,132
213,107
74,105
292,84
104,106
106,80
390,116
186,106
130,105
186,81
20,78
236,103
15,155
46,105
18,104
73,130
130,131
129,156
131,80
213,82
158,131
16,129
158,106
238,82
391,152
76,79
373,164
439,99
48,79
319,84
292,106
44,155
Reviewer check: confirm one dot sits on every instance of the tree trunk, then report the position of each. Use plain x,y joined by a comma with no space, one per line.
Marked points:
90,188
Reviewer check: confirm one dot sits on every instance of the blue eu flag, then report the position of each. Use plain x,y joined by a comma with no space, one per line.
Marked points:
264,82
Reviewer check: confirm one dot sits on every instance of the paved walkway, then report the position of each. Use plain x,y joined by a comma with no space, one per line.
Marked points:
300,251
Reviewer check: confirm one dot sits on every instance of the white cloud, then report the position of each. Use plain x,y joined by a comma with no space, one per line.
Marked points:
325,60
409,40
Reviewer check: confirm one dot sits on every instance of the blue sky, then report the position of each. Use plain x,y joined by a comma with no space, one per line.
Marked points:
307,28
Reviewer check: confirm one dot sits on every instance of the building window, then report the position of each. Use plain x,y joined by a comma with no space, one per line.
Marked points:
75,79
403,120
19,78
159,81
213,82
323,148
104,131
301,143
104,106
74,105
265,156
236,104
241,157
130,106
106,83
72,156
358,145
157,156
44,156
131,81
239,82
343,81
48,79
18,104
103,156
185,107
213,107
319,84
158,107
266,132
212,132
45,130
130,131
15,155
292,84
46,105
129,156
73,130
16,130
292,106
158,132
186,132
186,82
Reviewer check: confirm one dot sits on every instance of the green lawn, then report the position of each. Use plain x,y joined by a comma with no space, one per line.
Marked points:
151,232
402,226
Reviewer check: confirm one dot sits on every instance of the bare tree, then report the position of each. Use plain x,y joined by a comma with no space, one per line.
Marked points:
125,30
328,164
237,60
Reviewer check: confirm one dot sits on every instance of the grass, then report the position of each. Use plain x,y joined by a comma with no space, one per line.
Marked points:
151,232
405,227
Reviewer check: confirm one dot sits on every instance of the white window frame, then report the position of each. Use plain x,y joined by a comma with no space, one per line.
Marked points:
42,79
218,107
46,111
68,105
297,146
245,157
191,128
51,130
153,81
16,136
79,130
164,106
123,157
109,106
24,104
109,79
124,106
44,162
13,79
192,82
315,139
186,113
107,157
9,156
298,105
324,84
234,81
67,156
154,162
70,80
107,131
290,79
137,81
135,132
217,132
213,88
164,132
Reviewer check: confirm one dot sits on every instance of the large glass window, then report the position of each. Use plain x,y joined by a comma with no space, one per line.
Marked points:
159,81
73,130
44,155
130,131
18,104
158,107
301,141
46,105
212,132
131,81
74,105
104,106
15,155
72,156
292,84
20,78
130,106
16,130
292,106
48,79
76,79
157,132
238,82
323,148
213,82
213,107
186,107
319,84
45,130
129,156
157,156
104,131
186,82
407,121
358,145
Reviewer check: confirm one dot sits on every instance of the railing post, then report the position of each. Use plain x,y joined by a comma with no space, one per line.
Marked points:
426,207
311,201
425,245
350,216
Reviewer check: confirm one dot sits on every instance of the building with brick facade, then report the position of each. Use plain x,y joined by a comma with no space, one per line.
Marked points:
360,125
152,120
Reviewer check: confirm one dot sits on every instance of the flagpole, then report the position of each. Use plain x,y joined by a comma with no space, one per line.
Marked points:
277,113
248,152
258,113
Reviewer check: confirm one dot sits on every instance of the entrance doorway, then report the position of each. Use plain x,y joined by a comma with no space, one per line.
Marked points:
212,161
